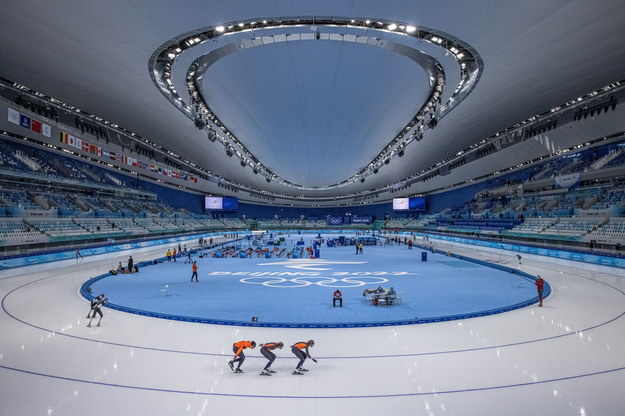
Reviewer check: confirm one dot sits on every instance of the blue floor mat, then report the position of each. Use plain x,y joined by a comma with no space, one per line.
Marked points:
285,291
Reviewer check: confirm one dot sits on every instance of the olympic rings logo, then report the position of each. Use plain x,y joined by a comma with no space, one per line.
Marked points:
308,281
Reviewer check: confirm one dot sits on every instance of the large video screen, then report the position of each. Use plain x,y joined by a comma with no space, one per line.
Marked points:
217,203
401,204
417,203
230,204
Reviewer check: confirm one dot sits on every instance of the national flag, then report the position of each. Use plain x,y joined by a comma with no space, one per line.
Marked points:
71,140
46,130
99,151
85,146
25,121
105,153
93,149
77,143
113,156
64,137
35,126
14,116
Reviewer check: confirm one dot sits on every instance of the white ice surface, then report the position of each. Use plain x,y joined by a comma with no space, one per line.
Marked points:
566,358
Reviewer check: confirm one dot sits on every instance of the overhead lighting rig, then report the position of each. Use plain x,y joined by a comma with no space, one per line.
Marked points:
367,31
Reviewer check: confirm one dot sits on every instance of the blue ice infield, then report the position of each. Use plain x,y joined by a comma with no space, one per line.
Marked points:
282,292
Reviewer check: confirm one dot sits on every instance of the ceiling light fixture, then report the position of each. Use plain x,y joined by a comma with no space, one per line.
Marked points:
164,58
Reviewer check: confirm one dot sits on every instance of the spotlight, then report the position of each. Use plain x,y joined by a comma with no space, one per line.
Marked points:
199,123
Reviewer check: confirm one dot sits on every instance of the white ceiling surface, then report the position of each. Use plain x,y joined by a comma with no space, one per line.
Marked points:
314,113
317,134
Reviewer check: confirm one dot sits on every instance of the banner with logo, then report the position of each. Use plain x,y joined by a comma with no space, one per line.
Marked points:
335,220
14,116
567,181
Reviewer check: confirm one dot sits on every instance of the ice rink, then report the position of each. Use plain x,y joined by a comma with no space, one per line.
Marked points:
566,358
282,291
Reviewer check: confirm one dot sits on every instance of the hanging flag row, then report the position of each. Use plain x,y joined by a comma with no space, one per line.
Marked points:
30,123
107,154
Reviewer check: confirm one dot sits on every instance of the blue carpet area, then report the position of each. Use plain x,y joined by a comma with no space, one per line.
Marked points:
299,291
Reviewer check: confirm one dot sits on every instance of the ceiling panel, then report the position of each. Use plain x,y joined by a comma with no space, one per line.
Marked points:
313,112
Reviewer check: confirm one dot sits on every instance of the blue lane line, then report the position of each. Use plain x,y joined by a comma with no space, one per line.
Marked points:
566,334
257,396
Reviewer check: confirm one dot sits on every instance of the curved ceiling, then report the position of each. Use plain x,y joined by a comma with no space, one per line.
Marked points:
315,136
313,113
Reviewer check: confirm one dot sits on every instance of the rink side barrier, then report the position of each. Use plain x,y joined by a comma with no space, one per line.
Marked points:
540,251
86,292
20,261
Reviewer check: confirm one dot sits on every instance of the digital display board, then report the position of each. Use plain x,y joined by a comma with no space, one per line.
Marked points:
401,204
417,203
217,203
